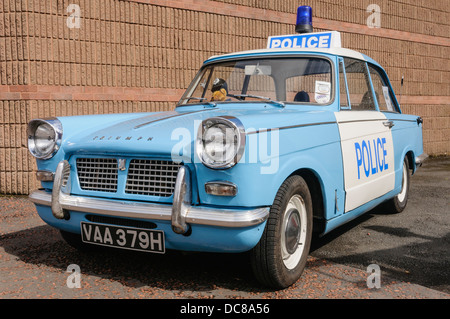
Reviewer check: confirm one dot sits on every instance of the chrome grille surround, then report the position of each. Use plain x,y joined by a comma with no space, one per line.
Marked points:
97,174
151,177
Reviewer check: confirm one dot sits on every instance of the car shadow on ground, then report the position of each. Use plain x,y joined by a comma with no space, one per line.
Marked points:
43,245
203,272
416,258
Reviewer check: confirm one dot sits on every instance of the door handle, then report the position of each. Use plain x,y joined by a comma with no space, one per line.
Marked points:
389,124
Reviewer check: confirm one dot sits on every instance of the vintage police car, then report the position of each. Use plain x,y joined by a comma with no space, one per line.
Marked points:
264,148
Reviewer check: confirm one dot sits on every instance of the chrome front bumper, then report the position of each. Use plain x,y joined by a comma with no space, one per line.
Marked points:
181,213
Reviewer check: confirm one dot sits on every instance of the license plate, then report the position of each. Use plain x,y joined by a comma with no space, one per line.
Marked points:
123,237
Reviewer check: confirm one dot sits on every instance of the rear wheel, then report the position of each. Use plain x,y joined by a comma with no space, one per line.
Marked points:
398,203
280,256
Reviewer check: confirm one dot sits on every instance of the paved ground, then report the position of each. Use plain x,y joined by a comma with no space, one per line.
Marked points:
411,249
413,246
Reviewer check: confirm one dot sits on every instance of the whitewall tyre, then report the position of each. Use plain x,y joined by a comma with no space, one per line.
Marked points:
280,256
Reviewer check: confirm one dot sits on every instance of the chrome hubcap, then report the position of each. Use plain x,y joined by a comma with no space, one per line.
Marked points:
293,235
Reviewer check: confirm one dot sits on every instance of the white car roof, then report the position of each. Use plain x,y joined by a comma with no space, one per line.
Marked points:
333,51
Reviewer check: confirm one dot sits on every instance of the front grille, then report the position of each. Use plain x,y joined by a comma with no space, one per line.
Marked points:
97,174
152,177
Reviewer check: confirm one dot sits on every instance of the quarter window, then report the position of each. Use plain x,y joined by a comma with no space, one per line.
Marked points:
359,89
343,98
382,91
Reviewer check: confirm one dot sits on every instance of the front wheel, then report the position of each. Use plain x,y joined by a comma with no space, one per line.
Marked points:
280,256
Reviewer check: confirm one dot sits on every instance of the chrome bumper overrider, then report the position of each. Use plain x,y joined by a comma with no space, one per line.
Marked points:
420,159
181,213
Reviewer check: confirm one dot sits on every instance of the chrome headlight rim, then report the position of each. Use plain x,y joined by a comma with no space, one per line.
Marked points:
55,125
239,131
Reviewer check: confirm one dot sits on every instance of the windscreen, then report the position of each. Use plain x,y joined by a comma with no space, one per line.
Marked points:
303,80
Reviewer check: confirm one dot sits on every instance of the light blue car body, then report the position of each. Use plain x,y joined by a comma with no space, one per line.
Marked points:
309,143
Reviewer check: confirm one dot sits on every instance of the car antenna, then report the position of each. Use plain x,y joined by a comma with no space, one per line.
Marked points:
401,87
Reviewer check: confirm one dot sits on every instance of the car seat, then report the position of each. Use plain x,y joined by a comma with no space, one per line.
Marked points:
301,96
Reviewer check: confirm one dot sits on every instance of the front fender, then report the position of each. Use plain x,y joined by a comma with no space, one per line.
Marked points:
257,189
325,163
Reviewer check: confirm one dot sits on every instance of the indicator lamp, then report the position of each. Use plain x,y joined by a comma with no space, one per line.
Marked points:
304,20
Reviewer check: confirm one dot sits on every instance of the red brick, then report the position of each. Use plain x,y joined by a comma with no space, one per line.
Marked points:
22,88
9,96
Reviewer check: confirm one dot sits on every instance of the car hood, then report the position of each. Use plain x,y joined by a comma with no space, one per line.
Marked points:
158,133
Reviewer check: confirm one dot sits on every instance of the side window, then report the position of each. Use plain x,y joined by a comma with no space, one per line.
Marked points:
343,97
382,91
310,81
358,83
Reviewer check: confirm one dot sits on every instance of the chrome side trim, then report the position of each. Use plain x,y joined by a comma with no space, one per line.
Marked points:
200,215
289,127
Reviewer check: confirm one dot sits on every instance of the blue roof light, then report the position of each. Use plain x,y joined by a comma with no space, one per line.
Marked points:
304,20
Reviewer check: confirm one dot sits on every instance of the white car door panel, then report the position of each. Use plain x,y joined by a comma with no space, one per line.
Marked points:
368,156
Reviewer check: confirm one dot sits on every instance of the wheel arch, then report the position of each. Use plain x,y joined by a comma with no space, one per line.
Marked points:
411,160
317,196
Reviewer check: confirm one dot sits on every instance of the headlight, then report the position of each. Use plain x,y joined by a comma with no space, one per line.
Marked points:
220,142
44,137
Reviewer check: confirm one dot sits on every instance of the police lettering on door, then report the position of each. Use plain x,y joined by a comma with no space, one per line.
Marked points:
371,156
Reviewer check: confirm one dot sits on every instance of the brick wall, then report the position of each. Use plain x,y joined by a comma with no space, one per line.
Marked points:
140,55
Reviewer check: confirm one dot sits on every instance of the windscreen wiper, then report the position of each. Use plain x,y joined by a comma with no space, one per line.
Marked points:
202,99
278,103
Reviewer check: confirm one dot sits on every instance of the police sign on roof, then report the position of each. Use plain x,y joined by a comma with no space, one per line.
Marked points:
331,39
